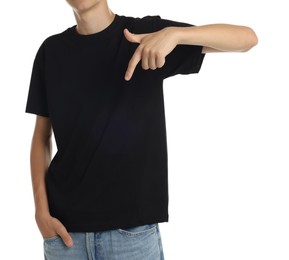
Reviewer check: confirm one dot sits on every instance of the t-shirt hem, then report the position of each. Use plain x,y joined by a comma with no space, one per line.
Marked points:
39,113
84,227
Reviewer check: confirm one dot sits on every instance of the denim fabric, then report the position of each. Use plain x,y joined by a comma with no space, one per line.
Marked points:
137,243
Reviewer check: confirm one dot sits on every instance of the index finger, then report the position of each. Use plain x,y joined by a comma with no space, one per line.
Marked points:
132,64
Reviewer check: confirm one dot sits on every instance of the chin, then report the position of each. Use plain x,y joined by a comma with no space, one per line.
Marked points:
83,5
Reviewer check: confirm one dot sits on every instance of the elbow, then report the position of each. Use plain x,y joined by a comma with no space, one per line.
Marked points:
251,39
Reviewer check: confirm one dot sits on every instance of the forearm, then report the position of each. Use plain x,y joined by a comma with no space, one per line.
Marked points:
39,160
222,37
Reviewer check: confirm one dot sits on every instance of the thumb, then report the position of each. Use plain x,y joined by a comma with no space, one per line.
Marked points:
131,37
62,232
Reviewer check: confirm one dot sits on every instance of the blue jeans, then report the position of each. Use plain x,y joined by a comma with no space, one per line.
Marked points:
137,243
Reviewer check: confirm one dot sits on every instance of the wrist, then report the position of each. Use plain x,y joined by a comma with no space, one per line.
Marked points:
186,35
180,35
174,33
40,214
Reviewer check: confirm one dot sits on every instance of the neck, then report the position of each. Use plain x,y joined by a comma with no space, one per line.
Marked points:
94,19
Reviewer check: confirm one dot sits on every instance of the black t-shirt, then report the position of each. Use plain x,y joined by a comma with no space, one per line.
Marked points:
110,169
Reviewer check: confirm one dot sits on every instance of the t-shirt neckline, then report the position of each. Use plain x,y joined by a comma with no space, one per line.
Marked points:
102,33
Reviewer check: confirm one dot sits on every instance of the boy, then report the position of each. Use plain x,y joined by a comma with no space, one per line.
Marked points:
98,85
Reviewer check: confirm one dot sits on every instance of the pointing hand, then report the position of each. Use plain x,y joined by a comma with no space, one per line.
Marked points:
152,49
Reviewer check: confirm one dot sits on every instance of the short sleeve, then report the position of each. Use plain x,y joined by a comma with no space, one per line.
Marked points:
184,59
37,98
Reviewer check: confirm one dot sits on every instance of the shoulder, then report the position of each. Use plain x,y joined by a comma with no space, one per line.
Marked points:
152,23
143,24
56,40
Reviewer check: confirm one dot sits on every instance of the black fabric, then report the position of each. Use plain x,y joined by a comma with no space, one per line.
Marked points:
110,169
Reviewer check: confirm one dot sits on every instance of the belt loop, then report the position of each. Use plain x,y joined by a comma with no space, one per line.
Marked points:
89,245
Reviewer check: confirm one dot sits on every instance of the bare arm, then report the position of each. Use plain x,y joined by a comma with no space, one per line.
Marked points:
40,158
218,37
154,47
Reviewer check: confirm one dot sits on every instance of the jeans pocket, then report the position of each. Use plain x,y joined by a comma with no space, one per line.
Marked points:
140,242
138,230
51,239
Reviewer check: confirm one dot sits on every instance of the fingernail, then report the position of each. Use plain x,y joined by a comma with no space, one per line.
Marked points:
70,243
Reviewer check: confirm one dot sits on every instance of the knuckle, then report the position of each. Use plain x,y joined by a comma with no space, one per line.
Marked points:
146,51
159,54
57,226
153,52
160,61
130,67
61,230
66,237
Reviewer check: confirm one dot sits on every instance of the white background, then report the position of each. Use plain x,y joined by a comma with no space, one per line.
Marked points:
227,129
